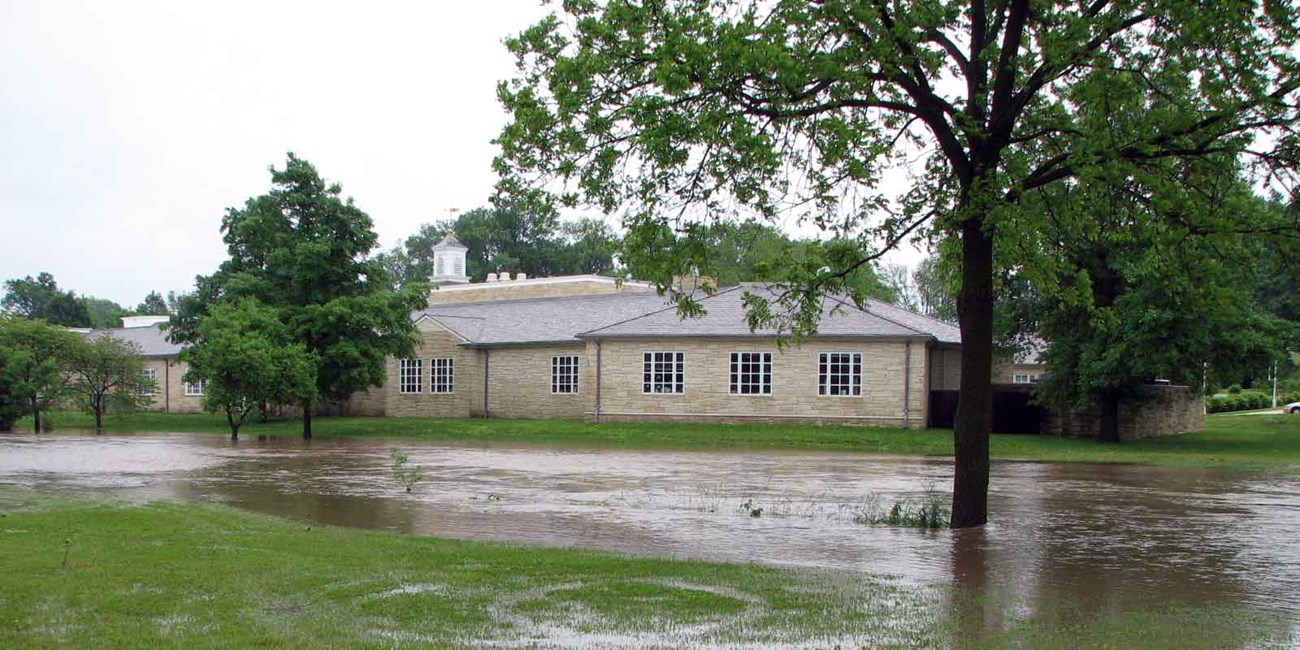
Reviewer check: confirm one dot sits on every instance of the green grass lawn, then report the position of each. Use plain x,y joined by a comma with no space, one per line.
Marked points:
1228,440
81,574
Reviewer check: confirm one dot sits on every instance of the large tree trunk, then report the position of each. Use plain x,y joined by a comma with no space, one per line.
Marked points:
36,415
98,405
234,427
974,421
306,423
1108,428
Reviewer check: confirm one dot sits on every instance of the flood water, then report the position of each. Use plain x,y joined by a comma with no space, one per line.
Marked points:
1115,536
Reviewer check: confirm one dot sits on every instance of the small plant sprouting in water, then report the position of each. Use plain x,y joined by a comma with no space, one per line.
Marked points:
931,511
753,510
408,476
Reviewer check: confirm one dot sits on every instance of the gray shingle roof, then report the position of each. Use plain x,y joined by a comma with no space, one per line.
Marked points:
152,341
725,317
635,315
540,320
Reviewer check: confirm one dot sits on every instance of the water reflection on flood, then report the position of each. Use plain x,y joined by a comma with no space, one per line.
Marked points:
1114,536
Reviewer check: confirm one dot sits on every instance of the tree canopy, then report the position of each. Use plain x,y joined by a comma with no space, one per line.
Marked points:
510,240
305,252
674,113
247,360
41,298
108,374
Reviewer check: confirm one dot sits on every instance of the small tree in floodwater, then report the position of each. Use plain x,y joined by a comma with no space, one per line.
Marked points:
246,360
109,373
407,475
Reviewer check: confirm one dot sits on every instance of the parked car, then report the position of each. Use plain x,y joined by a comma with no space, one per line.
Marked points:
1293,408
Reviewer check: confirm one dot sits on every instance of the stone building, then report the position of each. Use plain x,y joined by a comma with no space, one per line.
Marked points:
592,347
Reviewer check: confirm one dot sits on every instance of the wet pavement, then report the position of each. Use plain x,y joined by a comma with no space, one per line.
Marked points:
1116,536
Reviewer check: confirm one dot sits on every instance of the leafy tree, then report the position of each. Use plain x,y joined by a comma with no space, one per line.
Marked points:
678,112
302,250
109,373
505,239
247,358
103,313
12,402
37,355
153,305
934,284
41,298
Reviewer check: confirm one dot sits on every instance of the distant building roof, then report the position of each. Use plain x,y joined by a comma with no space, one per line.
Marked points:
725,317
152,341
649,315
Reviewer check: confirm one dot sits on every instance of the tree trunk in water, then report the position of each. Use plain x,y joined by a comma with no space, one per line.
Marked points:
974,420
306,423
1108,428
234,428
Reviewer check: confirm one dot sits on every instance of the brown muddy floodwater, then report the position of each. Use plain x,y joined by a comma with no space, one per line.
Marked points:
1116,536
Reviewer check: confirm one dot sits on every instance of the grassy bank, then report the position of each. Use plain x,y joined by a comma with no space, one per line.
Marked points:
1228,439
87,575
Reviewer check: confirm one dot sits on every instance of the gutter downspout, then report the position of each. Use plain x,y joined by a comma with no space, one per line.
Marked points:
597,414
907,384
167,386
487,354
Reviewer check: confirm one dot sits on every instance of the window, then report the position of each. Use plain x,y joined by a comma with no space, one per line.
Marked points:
665,372
196,390
150,376
442,373
751,373
411,376
564,374
459,266
439,265
840,373
1024,379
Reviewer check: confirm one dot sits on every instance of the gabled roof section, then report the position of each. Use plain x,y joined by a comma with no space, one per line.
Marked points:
725,317
539,320
152,341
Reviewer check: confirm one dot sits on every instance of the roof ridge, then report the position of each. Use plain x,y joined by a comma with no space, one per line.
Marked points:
880,316
656,312
914,313
621,294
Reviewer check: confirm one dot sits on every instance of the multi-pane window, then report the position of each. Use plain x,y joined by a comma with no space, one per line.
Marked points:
664,372
751,373
150,375
1025,379
410,376
442,374
564,374
839,373
196,390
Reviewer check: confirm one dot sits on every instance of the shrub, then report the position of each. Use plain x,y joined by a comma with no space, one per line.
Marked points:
1234,389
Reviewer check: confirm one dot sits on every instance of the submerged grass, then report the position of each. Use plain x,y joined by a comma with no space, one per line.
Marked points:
1228,439
169,575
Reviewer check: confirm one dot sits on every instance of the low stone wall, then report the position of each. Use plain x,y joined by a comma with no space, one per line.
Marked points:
1169,410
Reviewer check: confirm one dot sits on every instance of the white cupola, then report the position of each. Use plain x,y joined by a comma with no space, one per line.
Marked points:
449,261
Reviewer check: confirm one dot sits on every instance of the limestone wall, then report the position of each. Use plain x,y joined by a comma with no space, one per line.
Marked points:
945,368
794,383
519,383
529,289
466,398
1170,410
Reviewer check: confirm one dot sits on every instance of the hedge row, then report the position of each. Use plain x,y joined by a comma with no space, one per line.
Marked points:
1246,401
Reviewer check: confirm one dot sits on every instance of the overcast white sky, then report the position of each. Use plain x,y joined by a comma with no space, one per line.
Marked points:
128,127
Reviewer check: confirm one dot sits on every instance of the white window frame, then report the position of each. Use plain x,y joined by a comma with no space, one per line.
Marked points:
751,383
410,376
564,374
196,390
442,375
1024,378
827,361
152,375
654,377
